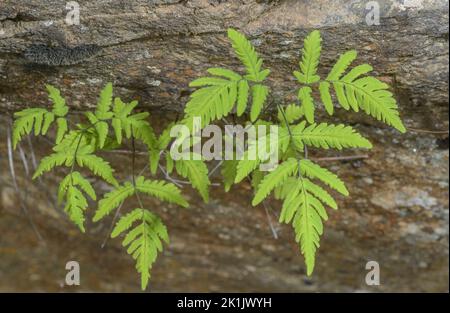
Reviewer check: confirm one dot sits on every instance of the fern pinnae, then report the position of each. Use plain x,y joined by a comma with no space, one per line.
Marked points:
197,173
248,56
112,199
312,170
310,59
304,95
275,178
327,136
161,190
144,241
260,93
341,65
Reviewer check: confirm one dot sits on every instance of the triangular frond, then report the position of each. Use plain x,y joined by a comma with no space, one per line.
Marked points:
144,241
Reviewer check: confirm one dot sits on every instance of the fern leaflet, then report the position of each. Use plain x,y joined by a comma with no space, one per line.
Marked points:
144,241
328,136
248,56
310,59
197,173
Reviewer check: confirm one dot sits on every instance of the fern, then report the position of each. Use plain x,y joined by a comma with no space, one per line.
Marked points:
303,201
310,60
248,56
274,179
367,93
76,202
144,241
302,185
219,94
229,171
197,173
41,119
159,189
312,170
304,95
292,113
352,90
112,200
327,136
260,93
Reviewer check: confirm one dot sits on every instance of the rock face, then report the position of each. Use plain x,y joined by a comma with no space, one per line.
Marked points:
398,210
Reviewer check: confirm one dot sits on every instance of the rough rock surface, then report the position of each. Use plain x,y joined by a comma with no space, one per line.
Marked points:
398,210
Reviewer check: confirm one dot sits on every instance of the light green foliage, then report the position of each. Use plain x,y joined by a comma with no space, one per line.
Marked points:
144,241
76,203
291,181
292,112
158,189
248,56
304,187
303,200
219,94
41,119
310,59
74,147
196,172
328,136
353,90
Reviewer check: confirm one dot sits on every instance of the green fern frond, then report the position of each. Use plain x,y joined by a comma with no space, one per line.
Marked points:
60,108
341,65
103,109
113,199
260,93
197,173
26,119
41,119
75,206
325,96
61,130
356,92
308,226
312,170
251,158
51,161
320,193
76,203
327,136
310,59
274,179
144,241
101,128
305,97
75,178
248,56
125,123
243,91
292,113
249,162
211,102
159,145
161,190
98,166
228,171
